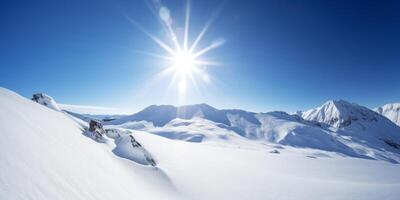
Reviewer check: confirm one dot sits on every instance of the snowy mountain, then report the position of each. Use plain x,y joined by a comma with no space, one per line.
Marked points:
195,152
336,126
341,114
364,129
161,115
351,117
391,111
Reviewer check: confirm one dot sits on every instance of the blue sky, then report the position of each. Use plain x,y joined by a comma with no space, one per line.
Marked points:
278,55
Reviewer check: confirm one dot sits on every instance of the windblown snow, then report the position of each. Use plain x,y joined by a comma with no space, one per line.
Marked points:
337,151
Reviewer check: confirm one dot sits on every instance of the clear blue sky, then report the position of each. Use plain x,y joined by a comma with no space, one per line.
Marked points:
278,55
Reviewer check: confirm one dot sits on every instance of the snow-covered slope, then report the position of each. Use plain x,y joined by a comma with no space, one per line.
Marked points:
49,102
391,111
203,171
44,155
361,128
196,130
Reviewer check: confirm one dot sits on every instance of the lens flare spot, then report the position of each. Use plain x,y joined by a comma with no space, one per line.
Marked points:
165,14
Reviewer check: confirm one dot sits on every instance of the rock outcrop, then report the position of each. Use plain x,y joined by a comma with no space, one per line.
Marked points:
96,128
46,101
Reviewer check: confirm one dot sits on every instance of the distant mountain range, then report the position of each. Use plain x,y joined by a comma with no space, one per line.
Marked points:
336,126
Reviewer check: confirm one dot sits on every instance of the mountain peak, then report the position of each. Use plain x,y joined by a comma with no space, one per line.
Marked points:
339,103
339,113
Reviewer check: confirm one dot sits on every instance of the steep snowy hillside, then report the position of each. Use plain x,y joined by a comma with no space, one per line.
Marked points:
49,102
44,155
358,125
391,111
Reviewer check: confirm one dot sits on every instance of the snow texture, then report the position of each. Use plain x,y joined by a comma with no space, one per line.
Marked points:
338,151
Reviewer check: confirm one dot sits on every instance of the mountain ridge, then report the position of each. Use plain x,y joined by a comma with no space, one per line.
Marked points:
337,126
391,111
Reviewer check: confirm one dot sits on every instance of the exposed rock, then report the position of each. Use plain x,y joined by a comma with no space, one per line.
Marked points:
274,151
128,147
96,128
46,101
136,144
392,143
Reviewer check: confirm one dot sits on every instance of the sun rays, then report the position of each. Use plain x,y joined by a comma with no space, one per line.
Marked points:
186,62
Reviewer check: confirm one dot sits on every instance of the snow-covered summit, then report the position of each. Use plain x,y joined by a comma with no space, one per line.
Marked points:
358,125
340,113
391,111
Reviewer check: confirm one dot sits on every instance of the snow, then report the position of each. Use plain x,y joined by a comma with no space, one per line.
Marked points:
160,115
45,156
336,126
340,113
391,111
210,171
204,154
360,128
195,130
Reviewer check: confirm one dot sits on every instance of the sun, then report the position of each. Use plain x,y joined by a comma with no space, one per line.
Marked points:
184,63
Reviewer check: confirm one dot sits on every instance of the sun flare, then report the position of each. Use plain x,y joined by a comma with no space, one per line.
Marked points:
184,56
184,63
